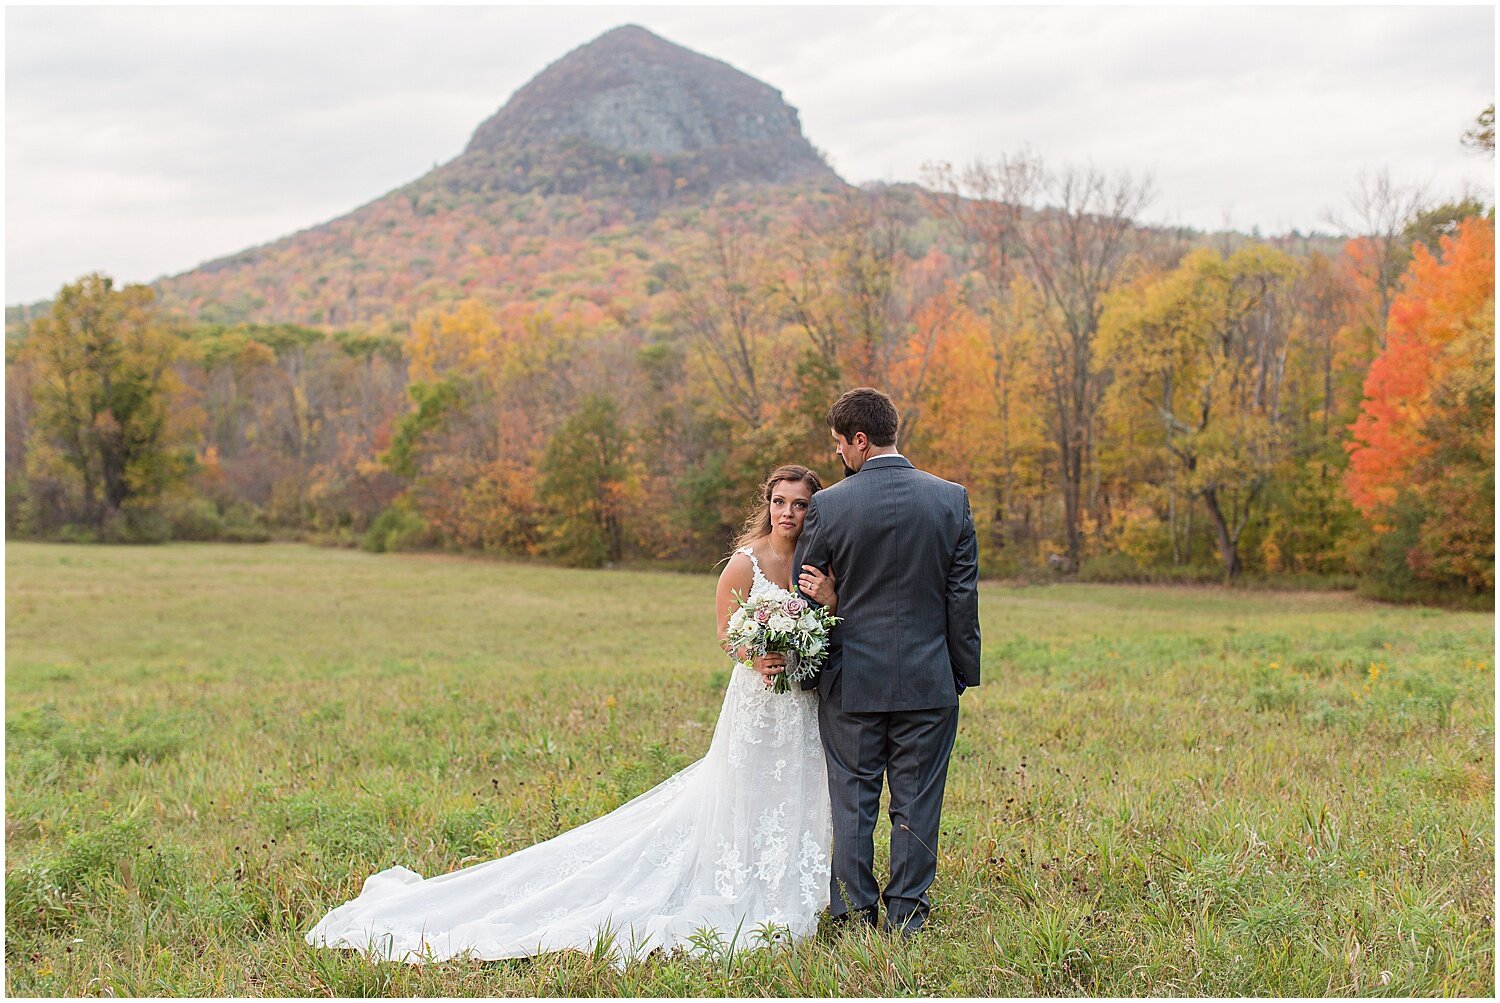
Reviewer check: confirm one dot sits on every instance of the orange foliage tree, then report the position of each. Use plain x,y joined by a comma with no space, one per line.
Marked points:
1428,398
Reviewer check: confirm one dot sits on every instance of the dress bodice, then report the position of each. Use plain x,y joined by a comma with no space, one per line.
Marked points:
761,584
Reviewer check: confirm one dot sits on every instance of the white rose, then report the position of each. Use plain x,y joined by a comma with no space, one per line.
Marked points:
737,621
808,622
781,623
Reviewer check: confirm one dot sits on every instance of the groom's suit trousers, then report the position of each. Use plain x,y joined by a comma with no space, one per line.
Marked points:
909,750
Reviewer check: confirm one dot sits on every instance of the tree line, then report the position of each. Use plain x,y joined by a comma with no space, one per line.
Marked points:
1123,401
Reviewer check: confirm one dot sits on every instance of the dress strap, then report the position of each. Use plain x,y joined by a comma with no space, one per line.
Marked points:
748,552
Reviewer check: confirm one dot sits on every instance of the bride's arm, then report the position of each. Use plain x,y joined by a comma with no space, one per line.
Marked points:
818,587
737,577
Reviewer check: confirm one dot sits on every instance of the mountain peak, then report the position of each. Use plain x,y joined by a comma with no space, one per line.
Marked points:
634,93
625,33
621,130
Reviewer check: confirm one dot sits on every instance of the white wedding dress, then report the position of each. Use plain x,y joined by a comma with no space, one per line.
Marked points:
734,841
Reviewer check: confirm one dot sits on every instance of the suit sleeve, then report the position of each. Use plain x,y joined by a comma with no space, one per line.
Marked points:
962,594
812,548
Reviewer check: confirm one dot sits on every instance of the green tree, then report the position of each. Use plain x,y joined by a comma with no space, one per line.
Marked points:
1481,138
1431,225
435,403
1456,543
586,480
103,367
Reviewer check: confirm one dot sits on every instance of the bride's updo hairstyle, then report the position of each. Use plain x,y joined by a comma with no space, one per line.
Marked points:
759,522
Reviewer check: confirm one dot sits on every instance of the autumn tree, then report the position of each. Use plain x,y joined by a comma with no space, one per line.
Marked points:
1205,350
467,446
461,340
687,505
1455,481
872,303
1002,454
286,422
1378,214
103,369
1309,521
1077,250
985,202
721,304
840,283
1421,451
364,376
24,509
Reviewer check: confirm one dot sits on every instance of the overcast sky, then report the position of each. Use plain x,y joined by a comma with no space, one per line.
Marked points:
142,141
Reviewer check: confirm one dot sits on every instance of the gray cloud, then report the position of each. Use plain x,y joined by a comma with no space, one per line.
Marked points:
142,141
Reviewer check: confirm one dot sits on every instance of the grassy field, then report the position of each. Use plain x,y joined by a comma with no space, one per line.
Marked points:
1157,790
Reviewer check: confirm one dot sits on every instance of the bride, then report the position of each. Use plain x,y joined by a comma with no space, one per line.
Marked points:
734,842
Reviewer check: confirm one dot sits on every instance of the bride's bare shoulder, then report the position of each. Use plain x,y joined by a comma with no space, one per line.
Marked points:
738,571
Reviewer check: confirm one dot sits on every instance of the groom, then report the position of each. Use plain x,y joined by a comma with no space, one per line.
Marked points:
901,543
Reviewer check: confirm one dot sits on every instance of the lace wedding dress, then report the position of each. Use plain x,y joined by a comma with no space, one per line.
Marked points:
736,840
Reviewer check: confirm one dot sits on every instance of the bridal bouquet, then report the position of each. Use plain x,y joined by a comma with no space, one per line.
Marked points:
789,626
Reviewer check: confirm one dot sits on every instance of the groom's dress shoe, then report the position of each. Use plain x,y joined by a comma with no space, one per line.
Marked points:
855,919
904,929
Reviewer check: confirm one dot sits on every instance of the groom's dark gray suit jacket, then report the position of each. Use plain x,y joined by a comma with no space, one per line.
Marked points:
901,545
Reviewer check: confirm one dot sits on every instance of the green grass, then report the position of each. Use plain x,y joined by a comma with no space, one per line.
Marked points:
1157,790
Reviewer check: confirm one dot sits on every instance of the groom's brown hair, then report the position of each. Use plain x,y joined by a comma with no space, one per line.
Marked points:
867,410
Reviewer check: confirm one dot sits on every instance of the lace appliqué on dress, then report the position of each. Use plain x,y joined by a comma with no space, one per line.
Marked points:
730,874
813,870
771,844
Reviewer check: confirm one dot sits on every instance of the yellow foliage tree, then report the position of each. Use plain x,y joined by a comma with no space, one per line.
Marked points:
461,340
1204,349
103,370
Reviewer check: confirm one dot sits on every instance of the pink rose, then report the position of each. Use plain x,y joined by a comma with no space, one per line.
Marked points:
763,615
795,606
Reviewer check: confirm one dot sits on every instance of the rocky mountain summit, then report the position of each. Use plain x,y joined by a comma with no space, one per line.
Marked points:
634,115
632,92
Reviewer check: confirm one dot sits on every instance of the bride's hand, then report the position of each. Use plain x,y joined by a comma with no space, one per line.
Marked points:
817,586
770,666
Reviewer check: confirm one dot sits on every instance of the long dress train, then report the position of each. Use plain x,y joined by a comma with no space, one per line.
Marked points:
738,839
